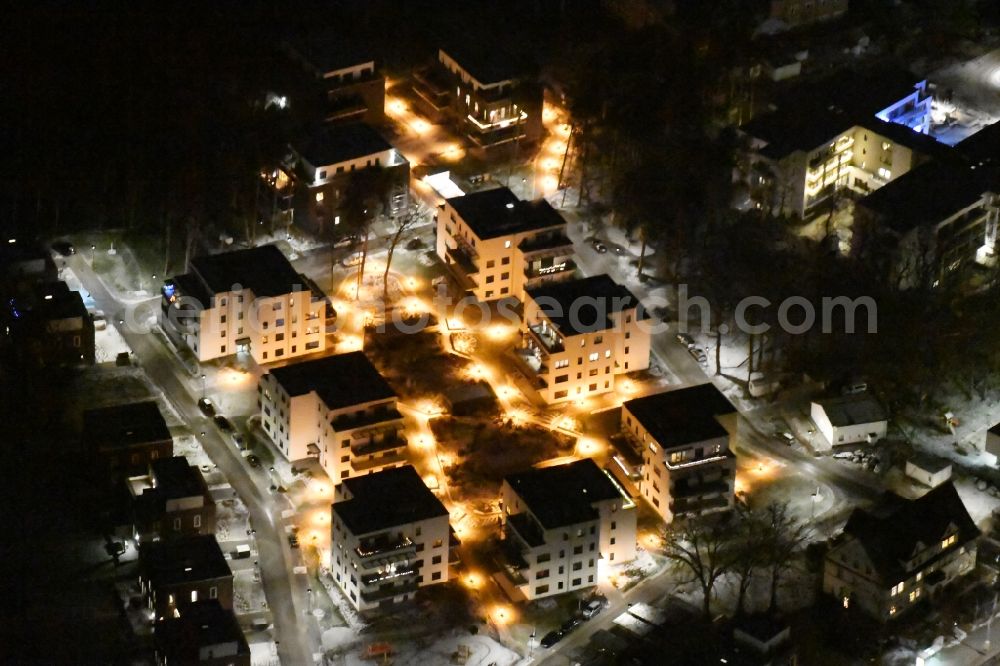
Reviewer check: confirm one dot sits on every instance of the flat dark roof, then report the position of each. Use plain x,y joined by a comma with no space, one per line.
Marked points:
340,381
497,212
122,426
683,416
928,194
564,494
183,560
175,477
201,624
583,305
53,300
331,145
263,270
387,499
488,64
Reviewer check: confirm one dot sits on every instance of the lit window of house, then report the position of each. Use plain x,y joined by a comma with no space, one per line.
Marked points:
914,595
896,589
950,541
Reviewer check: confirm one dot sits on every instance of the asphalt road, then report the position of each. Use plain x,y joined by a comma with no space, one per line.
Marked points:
286,597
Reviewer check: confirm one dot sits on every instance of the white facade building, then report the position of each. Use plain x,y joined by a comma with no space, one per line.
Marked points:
578,336
249,301
390,536
688,468
849,419
497,245
338,409
560,522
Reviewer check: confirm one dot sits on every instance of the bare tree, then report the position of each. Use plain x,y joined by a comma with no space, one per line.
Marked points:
702,547
409,219
782,536
749,552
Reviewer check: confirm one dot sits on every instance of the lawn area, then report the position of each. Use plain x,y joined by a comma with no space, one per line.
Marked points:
499,450
415,364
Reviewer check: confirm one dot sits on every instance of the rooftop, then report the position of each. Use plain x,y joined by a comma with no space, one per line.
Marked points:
488,65
175,478
852,410
564,494
584,305
928,194
387,499
898,528
50,301
351,141
928,463
202,624
263,270
343,380
814,112
121,426
183,560
683,416
497,212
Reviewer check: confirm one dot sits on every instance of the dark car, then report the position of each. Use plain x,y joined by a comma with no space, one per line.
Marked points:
206,406
570,624
223,423
599,247
64,248
253,461
551,638
238,440
293,540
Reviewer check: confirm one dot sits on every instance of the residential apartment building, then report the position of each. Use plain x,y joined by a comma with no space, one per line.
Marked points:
559,522
183,570
482,91
334,159
169,501
496,245
937,225
683,435
577,336
48,324
849,419
353,82
125,439
390,537
246,301
795,13
847,133
202,633
901,552
338,409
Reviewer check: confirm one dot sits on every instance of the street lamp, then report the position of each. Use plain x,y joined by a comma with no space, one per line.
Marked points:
309,591
203,386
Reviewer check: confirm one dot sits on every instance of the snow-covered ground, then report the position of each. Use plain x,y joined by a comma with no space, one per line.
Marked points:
457,647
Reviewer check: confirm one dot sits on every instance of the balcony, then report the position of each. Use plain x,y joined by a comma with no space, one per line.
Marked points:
366,418
561,270
550,244
380,577
389,591
392,547
391,439
526,529
366,465
696,505
546,338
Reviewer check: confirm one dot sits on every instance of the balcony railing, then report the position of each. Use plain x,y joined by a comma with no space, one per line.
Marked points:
546,338
526,530
363,419
392,440
389,591
380,577
360,466
384,546
548,243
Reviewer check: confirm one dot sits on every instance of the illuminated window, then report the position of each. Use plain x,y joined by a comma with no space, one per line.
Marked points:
194,595
594,356
896,589
847,602
914,595
506,244
319,197
950,541
892,610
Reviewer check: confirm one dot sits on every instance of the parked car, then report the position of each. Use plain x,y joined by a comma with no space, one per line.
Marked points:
64,248
599,247
353,259
551,638
685,339
253,461
593,608
223,423
761,385
570,624
699,355
788,437
238,440
206,406
293,540
346,241
854,387
241,552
